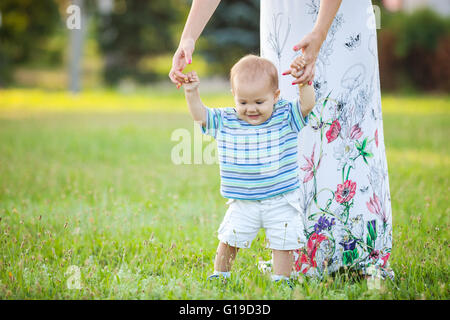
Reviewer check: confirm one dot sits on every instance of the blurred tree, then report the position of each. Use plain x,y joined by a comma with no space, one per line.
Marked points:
232,32
133,30
415,50
26,26
425,38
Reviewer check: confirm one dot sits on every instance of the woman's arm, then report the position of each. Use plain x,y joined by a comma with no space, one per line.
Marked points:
199,15
327,12
312,42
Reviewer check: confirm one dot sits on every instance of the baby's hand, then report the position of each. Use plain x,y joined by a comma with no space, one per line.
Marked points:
296,68
193,81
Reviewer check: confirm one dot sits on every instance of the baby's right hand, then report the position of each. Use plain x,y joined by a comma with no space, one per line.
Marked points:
193,81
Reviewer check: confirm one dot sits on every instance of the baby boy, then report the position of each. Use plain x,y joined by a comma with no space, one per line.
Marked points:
257,150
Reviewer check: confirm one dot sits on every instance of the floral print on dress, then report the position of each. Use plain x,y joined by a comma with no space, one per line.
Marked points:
336,227
345,200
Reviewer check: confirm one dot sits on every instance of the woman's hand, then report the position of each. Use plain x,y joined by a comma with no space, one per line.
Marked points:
310,46
181,58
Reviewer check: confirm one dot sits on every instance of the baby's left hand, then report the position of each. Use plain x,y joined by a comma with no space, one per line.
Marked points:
297,67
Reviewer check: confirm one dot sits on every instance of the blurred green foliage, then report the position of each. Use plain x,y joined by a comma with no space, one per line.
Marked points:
136,41
415,50
136,30
421,29
133,30
25,30
231,33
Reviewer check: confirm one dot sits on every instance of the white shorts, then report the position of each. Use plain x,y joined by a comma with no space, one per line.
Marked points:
279,216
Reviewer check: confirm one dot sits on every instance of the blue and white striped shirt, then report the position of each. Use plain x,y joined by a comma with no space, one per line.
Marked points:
257,161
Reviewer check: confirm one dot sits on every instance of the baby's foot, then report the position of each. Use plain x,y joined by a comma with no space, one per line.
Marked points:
282,280
217,275
285,282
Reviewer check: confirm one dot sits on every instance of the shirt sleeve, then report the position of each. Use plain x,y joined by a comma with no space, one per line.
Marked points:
213,121
297,121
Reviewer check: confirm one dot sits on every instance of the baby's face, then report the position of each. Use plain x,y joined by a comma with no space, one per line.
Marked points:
254,101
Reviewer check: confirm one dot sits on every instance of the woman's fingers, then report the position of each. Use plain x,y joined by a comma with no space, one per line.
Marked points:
178,64
179,79
303,43
188,56
311,79
177,76
181,58
310,50
172,77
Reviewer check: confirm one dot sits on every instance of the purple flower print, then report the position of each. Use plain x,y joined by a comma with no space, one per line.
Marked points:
349,244
323,224
373,224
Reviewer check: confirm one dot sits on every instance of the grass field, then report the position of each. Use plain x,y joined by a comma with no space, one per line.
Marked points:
89,197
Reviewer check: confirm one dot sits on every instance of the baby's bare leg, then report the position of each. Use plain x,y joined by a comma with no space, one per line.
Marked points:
225,257
282,262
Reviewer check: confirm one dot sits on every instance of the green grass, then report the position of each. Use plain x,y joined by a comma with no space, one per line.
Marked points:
95,188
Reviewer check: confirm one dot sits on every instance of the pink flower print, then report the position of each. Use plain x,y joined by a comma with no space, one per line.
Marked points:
355,132
375,207
334,131
376,137
385,259
309,167
346,191
374,254
309,255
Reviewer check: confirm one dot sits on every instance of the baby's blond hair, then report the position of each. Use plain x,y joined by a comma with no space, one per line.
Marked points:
251,68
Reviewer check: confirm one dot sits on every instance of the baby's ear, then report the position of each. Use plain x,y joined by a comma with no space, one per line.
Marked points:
277,94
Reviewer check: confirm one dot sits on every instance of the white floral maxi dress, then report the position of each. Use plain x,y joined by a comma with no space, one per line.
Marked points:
345,200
